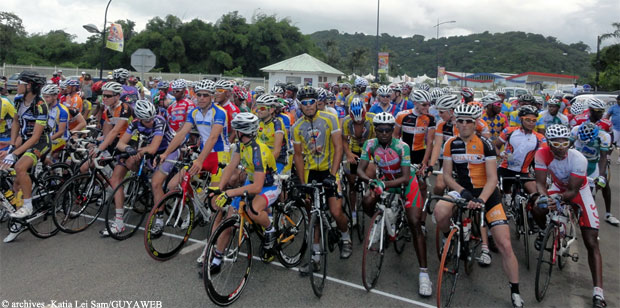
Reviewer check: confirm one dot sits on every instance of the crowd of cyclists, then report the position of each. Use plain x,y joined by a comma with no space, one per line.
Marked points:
310,133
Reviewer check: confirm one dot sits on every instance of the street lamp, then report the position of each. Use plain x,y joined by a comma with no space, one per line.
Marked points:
437,49
376,47
93,29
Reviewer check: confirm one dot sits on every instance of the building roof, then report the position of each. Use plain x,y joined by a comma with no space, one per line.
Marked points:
302,63
544,75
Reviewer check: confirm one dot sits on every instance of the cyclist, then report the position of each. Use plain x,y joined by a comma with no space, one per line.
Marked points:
345,89
317,140
223,90
73,99
568,168
240,98
515,119
384,103
357,128
445,130
130,94
392,157
157,135
613,114
399,102
258,91
58,119
272,131
256,158
496,120
552,114
576,109
30,140
178,110
160,99
473,160
359,92
7,114
507,107
467,94
372,95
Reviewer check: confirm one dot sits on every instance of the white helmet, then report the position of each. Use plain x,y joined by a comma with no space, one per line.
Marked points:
178,84
596,103
361,82
436,93
112,86
384,90
245,123
259,90
276,90
556,131
468,111
383,118
447,102
224,84
144,110
424,86
120,74
50,89
420,96
578,107
205,85
490,99
267,100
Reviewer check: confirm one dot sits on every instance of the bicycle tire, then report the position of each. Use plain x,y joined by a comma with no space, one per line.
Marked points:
41,223
178,218
526,233
317,280
62,170
135,207
74,203
448,270
544,267
403,234
372,270
361,216
232,254
438,247
291,223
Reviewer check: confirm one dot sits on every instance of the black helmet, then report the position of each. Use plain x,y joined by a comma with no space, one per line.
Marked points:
307,92
528,109
32,76
291,87
527,98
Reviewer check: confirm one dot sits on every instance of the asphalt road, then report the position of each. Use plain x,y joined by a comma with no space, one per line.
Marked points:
74,269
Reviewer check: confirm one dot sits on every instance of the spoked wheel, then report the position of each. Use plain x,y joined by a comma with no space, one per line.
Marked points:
291,223
448,271
137,203
226,285
168,226
525,230
544,267
317,280
403,234
563,242
64,171
361,217
41,222
374,244
79,202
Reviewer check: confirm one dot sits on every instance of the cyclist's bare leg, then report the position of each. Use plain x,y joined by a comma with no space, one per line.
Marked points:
259,204
440,186
414,214
501,234
484,234
335,207
590,239
117,177
369,202
352,193
443,212
22,177
530,187
157,182
607,197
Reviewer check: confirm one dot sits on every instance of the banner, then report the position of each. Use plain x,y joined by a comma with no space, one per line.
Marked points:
441,71
115,39
384,61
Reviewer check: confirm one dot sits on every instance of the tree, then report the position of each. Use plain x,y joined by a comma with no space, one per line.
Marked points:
614,34
11,29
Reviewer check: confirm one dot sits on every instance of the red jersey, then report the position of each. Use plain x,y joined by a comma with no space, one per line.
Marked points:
231,112
604,124
177,113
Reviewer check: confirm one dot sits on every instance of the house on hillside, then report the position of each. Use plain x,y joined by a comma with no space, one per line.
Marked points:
303,69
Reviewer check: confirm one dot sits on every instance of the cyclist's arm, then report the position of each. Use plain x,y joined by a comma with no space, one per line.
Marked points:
436,150
153,147
81,122
15,128
491,183
123,142
253,189
299,162
361,167
228,170
337,140
345,145
62,127
277,148
573,187
179,137
216,131
111,135
396,131
403,179
602,163
447,176
34,139
429,146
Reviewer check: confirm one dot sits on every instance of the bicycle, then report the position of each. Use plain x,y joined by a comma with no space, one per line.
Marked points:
235,233
560,235
387,225
462,243
518,209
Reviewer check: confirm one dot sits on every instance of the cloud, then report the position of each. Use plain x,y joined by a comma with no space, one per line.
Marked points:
570,21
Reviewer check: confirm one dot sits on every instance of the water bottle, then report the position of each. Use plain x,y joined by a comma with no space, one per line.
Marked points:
390,218
466,228
454,194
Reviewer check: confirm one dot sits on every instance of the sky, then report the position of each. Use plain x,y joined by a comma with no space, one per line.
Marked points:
570,21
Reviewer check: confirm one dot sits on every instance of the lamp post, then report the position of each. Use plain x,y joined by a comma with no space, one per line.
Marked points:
377,47
598,61
437,48
93,29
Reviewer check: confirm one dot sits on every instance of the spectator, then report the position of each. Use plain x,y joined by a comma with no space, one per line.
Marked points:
56,78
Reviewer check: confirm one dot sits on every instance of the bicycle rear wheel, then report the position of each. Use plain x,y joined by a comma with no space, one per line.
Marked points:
525,229
226,286
361,217
544,267
374,244
403,234
41,222
291,223
317,280
78,203
177,219
138,202
448,270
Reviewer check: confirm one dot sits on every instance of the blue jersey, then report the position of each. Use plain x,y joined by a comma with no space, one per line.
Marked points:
204,122
376,109
160,128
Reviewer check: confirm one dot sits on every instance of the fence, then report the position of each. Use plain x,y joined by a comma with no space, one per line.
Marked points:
48,71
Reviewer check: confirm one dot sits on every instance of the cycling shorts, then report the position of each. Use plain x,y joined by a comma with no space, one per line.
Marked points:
417,156
210,164
494,214
40,149
584,199
166,166
58,144
319,176
503,172
414,197
353,166
4,142
269,193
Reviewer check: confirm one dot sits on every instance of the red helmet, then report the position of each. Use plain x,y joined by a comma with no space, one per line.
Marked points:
467,92
239,93
97,86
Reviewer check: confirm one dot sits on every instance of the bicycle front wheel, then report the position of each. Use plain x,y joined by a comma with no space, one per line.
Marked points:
525,233
291,223
41,222
79,202
317,280
403,234
176,221
361,217
448,270
546,259
137,203
374,244
233,241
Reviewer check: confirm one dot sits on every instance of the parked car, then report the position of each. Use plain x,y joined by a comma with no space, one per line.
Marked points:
11,83
514,91
608,98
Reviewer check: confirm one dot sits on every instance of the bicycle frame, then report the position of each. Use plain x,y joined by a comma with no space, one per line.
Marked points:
560,218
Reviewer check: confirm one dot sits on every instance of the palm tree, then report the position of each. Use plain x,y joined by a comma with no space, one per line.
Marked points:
600,38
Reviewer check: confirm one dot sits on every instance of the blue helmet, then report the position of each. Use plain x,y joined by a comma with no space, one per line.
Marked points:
587,132
357,110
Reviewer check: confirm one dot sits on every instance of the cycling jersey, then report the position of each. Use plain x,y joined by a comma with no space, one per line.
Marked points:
73,102
548,119
390,159
376,108
591,150
507,108
112,115
496,124
522,148
403,105
160,128
357,140
340,111
604,124
177,113
515,120
7,113
414,128
28,116
469,160
315,137
267,135
257,157
231,112
58,114
129,95
204,124
354,95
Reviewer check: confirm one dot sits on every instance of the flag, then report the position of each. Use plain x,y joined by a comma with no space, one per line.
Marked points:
384,61
115,39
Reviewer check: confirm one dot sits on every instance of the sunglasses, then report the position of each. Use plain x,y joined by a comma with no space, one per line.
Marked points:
442,111
220,90
529,120
425,105
308,102
262,108
384,95
21,82
468,121
178,91
203,95
597,110
498,104
559,144
384,130
108,95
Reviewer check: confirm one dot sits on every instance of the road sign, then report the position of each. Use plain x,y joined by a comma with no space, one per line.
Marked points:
143,60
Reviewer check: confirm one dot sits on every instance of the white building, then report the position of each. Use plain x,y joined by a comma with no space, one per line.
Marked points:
303,69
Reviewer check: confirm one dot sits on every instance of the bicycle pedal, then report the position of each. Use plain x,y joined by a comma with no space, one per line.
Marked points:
575,257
